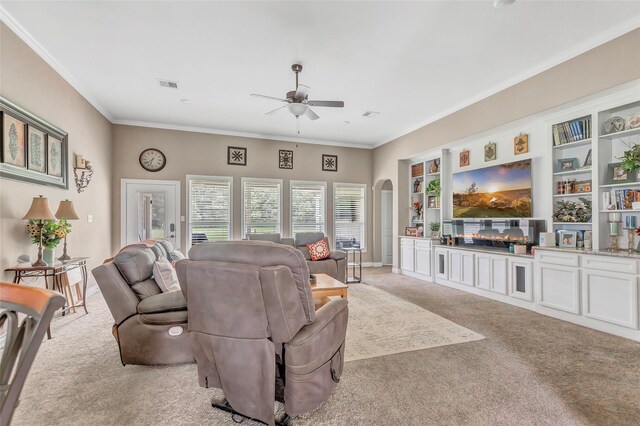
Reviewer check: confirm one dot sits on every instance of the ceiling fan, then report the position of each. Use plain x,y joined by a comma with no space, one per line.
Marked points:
297,101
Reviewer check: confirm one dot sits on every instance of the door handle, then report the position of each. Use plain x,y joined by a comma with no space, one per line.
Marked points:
172,236
172,227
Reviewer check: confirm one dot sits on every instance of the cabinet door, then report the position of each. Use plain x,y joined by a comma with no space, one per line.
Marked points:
520,281
423,260
441,264
498,274
466,272
610,296
558,287
455,266
407,257
483,271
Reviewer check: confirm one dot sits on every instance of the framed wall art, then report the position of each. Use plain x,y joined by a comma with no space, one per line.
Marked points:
616,174
490,151
236,156
285,159
464,158
567,239
329,163
33,150
521,144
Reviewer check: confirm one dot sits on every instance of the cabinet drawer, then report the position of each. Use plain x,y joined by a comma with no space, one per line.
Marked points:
556,258
610,263
406,241
423,243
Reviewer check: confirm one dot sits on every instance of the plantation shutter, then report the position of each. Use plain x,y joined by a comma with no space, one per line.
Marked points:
307,207
349,215
209,209
261,207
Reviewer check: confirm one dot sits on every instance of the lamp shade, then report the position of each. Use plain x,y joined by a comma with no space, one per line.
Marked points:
66,211
297,109
39,210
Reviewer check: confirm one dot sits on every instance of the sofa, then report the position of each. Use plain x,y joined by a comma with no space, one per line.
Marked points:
150,326
335,266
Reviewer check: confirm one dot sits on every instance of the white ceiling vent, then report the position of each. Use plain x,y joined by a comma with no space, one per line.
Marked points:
168,83
371,114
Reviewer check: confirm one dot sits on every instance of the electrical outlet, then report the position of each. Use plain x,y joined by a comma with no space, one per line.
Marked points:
89,218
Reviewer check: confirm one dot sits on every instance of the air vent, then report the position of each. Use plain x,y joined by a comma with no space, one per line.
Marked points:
371,114
168,83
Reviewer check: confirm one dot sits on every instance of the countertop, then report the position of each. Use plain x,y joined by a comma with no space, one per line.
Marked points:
619,253
490,250
419,238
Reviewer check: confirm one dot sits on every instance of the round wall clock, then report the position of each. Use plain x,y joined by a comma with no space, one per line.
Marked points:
152,159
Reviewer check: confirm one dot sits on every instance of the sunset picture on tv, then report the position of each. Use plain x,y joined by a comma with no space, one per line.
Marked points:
497,191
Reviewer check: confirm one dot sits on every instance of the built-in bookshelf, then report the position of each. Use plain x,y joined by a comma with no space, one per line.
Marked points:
417,195
425,197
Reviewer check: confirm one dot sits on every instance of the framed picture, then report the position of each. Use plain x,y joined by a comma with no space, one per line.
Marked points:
432,202
587,160
236,156
410,231
32,150
521,144
567,164
490,151
464,158
616,174
583,186
285,159
329,163
14,147
567,239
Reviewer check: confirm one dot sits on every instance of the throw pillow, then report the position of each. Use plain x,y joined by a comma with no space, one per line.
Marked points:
318,250
176,255
165,275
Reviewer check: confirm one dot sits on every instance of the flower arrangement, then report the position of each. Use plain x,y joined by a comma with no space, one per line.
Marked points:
573,211
52,232
418,208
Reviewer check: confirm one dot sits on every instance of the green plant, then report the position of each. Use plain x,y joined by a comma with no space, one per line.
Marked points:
433,187
573,211
52,232
631,158
435,226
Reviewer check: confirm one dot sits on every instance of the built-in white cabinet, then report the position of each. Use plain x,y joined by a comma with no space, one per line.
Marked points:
423,257
611,297
407,256
467,271
559,287
483,270
455,265
498,274
441,263
521,278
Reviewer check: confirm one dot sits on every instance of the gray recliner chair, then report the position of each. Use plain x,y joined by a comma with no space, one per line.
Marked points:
149,326
253,328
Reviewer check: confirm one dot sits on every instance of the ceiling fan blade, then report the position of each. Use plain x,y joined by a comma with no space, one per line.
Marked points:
311,115
335,104
302,91
271,98
275,110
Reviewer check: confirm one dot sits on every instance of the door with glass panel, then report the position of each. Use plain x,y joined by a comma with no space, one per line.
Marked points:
150,210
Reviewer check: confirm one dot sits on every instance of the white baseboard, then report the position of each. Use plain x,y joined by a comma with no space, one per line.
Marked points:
396,271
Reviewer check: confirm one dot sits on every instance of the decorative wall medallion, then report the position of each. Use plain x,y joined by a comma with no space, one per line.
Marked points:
329,163
236,156
37,152
286,159
13,137
490,151
613,125
54,156
521,144
464,158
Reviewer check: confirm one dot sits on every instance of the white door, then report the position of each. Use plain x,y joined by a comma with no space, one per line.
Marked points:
150,209
387,227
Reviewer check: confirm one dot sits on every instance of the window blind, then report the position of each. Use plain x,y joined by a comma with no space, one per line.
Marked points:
307,207
349,215
209,209
262,200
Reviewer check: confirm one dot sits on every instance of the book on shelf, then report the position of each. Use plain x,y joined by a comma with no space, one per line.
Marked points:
620,199
571,131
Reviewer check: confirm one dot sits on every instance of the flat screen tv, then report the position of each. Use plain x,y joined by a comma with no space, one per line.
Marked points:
497,191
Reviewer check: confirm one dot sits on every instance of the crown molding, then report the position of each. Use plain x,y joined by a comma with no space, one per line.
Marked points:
30,41
592,43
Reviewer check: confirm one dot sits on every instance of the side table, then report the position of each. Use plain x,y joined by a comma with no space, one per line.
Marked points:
354,262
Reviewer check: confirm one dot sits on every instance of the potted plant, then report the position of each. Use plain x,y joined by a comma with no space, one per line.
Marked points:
53,231
631,159
435,229
433,187
573,211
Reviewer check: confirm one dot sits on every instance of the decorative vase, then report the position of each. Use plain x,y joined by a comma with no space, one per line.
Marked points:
519,249
436,234
49,256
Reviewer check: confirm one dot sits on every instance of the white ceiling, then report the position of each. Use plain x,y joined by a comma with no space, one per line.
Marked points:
412,61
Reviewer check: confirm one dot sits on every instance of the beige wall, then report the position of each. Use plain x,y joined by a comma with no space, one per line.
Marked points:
191,153
607,66
29,82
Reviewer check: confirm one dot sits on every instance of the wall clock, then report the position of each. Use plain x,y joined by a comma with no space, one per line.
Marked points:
152,160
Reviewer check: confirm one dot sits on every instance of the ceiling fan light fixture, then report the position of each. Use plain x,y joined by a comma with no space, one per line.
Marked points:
297,109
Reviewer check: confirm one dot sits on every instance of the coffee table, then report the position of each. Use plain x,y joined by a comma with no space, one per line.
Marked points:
326,286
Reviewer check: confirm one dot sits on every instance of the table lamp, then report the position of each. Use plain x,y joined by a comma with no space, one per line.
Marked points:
39,211
67,212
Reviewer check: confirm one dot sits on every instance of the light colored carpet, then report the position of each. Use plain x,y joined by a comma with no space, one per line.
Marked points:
382,324
530,370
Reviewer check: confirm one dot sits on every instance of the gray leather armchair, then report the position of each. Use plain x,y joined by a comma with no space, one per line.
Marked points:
254,331
149,326
335,266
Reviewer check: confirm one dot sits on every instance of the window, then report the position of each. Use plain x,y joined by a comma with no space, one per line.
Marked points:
308,207
210,208
261,206
349,215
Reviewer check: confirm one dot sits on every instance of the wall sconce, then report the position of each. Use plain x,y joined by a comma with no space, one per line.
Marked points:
83,172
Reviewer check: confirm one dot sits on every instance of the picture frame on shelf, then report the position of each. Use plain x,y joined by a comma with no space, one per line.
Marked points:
432,202
410,231
587,160
583,186
464,158
616,174
567,239
567,164
521,144
490,151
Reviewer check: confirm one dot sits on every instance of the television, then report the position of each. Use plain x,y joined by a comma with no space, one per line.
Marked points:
498,191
